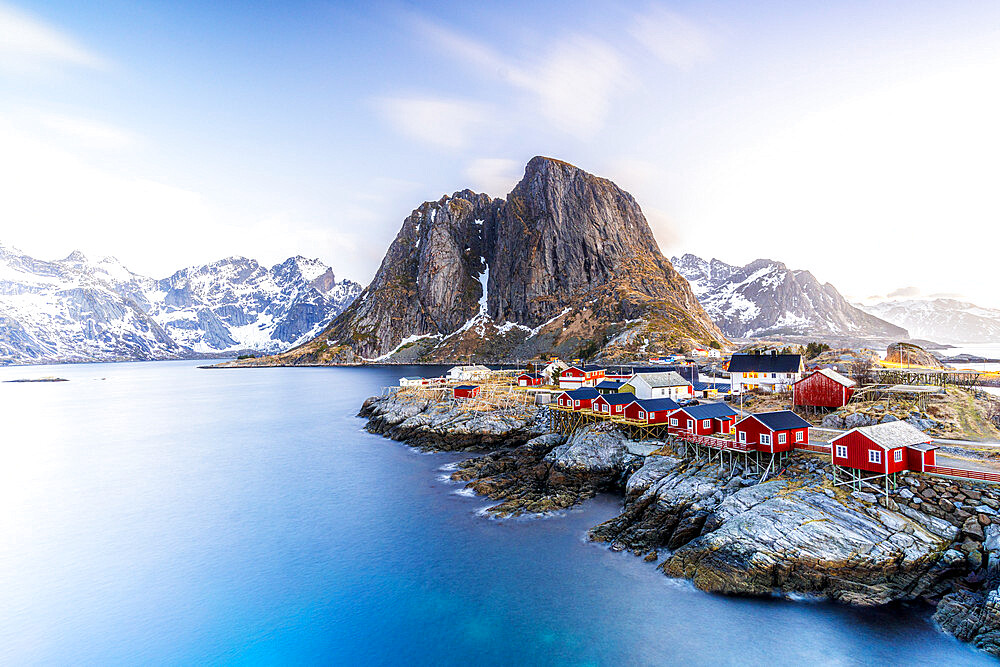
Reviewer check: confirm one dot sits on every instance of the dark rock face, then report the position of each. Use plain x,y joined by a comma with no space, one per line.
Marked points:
766,298
566,261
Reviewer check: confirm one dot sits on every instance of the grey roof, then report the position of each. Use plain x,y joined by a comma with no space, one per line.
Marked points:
891,434
833,375
779,420
668,379
765,363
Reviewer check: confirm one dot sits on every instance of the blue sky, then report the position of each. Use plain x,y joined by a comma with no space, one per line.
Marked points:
843,138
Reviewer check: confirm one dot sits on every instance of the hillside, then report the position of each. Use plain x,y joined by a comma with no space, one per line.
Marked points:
566,264
766,298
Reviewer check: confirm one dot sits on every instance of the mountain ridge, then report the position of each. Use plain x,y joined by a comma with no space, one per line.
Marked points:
566,264
765,298
79,309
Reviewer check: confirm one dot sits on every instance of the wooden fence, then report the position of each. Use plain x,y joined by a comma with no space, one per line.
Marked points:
980,475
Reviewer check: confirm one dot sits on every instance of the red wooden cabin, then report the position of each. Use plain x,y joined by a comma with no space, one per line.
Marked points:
467,391
612,404
651,410
578,399
575,377
704,419
884,448
824,388
773,432
529,380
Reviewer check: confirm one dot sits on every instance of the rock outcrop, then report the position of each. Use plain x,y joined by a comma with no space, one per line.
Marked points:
428,424
567,265
909,354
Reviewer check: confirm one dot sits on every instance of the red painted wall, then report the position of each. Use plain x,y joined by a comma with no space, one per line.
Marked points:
858,445
466,393
754,429
820,391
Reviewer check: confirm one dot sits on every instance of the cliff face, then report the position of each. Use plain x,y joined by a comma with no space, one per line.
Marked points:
566,265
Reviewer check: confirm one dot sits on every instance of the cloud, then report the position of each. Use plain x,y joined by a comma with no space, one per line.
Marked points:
441,122
89,133
29,46
671,38
570,84
904,292
494,176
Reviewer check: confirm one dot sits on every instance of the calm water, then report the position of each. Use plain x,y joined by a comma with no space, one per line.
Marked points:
160,514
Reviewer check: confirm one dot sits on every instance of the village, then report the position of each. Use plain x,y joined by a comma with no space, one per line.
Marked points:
709,411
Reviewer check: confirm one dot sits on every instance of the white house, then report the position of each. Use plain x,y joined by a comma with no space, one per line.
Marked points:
552,372
767,372
669,384
467,373
412,382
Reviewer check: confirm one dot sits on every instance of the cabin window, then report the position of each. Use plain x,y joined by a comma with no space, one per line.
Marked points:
874,456
898,456
673,422
690,423
605,408
841,451
743,436
642,415
765,439
799,435
705,423
782,438
577,403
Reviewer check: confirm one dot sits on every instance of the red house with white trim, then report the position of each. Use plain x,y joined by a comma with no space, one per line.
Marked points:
651,410
704,419
576,377
467,391
884,448
529,380
824,388
612,405
773,432
578,399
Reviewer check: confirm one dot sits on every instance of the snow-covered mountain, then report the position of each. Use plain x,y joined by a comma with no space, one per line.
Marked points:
943,320
766,298
77,309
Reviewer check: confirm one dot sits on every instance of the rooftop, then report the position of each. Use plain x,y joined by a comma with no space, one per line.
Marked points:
892,434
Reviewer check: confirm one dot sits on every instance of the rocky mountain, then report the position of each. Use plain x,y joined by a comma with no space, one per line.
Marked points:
77,309
943,320
566,264
766,298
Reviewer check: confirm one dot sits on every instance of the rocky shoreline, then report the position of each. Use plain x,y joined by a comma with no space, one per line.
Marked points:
933,540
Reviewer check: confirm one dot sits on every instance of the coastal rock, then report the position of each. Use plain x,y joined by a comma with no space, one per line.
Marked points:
550,473
435,425
780,536
972,617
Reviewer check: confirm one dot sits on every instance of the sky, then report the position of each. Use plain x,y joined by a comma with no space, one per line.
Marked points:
857,140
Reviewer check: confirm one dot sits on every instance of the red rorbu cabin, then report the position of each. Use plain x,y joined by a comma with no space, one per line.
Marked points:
578,399
825,388
773,432
650,410
529,380
575,377
884,448
704,419
466,391
612,405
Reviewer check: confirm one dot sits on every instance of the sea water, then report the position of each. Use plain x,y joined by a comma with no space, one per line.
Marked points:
157,513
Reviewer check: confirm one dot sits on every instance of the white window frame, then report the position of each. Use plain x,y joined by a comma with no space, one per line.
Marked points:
841,451
799,436
874,456
606,408
690,424
577,404
898,455
706,423
765,439
642,415
743,436
782,438
673,422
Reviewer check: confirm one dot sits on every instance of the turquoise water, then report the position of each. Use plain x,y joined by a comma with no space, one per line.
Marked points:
159,514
